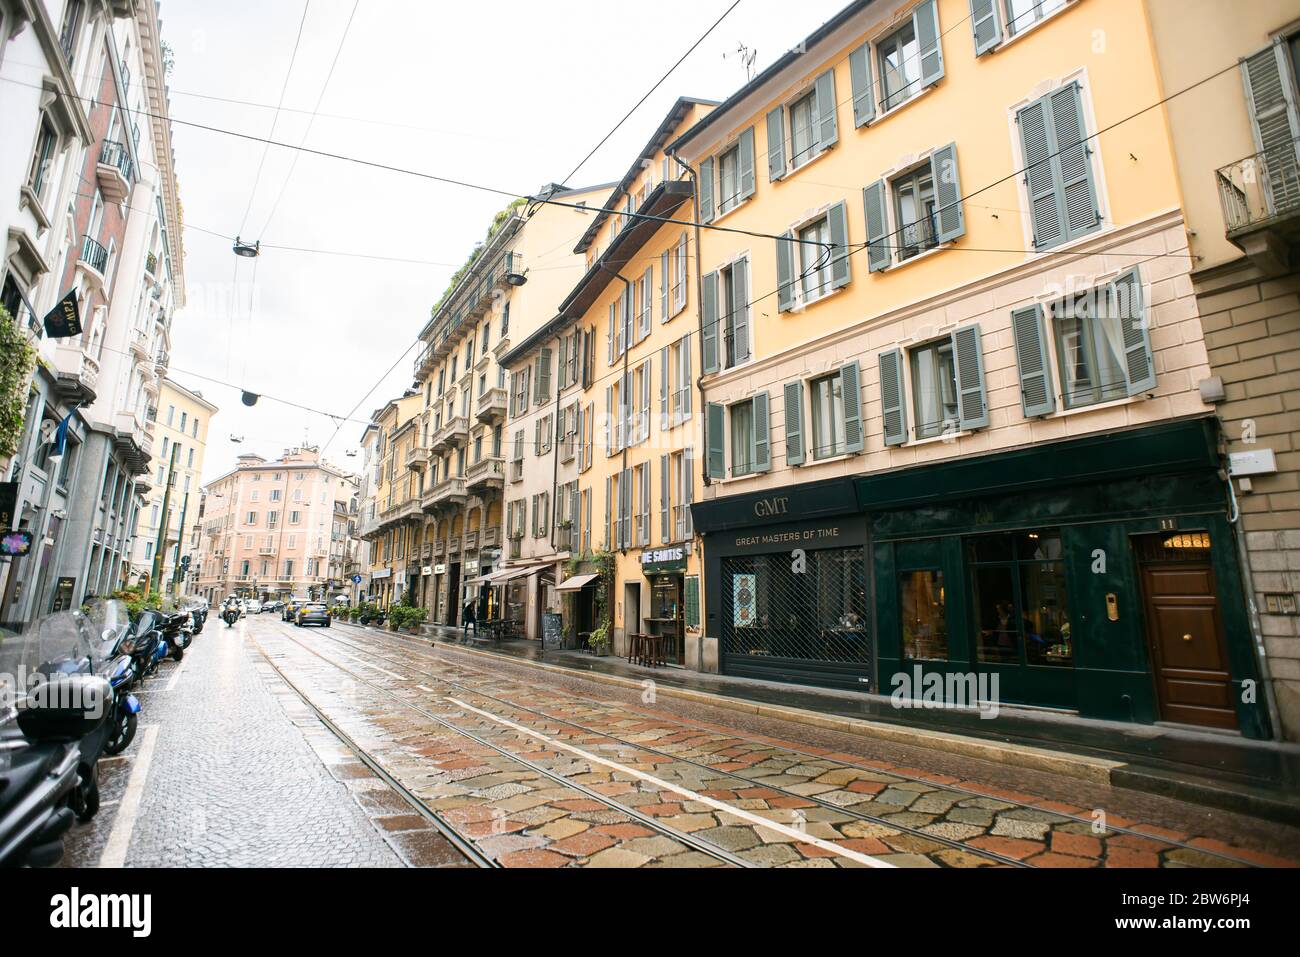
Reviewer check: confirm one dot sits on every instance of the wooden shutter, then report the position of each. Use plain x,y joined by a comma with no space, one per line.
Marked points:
665,375
972,402
1273,114
646,304
686,383
864,95
925,21
794,442
543,377
785,272
683,262
1040,182
776,145
706,191
1126,302
851,389
839,228
985,25
643,526
746,165
613,322
643,425
609,420
1028,331
709,321
1074,164
664,261
827,127
665,499
716,439
688,490
878,251
950,222
761,443
740,309
562,367
609,509
513,410
892,401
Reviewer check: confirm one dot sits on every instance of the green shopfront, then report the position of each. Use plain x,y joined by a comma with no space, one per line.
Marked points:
1097,576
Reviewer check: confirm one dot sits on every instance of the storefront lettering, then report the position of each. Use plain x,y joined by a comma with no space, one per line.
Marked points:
770,507
785,538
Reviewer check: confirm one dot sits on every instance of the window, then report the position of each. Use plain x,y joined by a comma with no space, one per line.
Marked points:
814,263
1089,349
43,161
827,417
900,69
922,608
681,270
742,438
726,317
251,518
1024,13
148,550
914,212
1058,168
276,493
729,179
803,133
1020,600
191,458
272,519
288,568
171,414
184,419
166,446
934,389
295,518
675,383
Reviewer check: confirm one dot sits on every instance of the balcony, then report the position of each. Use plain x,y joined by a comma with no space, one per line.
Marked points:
449,493
471,541
453,546
490,537
132,442
439,548
486,474
452,435
151,265
510,271
425,361
93,260
114,171
491,406
78,374
138,343
161,363
417,460
1260,196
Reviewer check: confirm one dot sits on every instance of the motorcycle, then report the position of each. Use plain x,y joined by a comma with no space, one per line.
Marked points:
198,609
109,632
230,615
148,646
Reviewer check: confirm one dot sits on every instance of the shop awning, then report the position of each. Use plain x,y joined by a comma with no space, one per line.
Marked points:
510,574
577,583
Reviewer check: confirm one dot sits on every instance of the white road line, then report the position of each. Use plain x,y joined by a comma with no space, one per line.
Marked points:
425,690
690,795
176,675
119,839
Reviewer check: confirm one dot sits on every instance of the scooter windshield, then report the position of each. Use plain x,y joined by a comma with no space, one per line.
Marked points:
50,646
105,620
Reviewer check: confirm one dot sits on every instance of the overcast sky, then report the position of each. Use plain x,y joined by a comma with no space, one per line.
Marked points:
510,94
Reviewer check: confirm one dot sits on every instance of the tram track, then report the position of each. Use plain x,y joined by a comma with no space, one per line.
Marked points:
397,641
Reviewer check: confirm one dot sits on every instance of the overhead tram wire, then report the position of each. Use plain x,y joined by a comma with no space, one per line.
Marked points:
628,115
284,88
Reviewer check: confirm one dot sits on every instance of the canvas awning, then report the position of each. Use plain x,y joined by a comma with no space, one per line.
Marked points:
510,574
578,582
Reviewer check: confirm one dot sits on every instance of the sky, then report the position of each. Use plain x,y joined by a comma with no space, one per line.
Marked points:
509,94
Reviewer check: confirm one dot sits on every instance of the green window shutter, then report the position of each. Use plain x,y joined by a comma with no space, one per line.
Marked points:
839,227
1029,332
1273,114
646,305
851,388
688,489
761,444
543,385
665,501
864,96
716,438
613,321
609,420
891,397
794,443
776,145
706,191
925,21
747,164
1074,164
664,424
827,125
950,221
878,252
687,384
972,402
709,320
740,309
609,510
1040,180
985,25
1126,302
785,272
664,314
562,368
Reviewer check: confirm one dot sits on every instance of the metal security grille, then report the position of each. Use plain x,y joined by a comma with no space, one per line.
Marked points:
786,623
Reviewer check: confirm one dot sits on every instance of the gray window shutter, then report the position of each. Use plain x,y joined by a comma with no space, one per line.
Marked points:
1273,114
1126,302
644,537
647,389
985,25
776,145
709,320
794,444
609,420
716,428
664,314
892,401
950,220
646,305
747,164
1029,332
851,387
543,387
664,376
925,20
878,251
706,191
609,509
688,489
1040,181
839,226
785,272
613,322
972,402
827,126
864,96
562,368
687,385
740,309
761,445
665,500
1074,166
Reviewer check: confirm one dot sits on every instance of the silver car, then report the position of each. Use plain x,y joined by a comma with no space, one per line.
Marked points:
312,613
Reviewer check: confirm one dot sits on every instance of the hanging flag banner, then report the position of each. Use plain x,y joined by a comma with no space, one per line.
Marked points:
64,320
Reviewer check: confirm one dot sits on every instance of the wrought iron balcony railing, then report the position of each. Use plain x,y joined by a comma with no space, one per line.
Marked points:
94,255
1261,188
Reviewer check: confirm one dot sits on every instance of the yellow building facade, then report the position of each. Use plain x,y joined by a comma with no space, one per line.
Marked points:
392,520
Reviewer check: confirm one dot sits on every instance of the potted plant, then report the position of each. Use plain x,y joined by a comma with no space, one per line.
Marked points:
600,640
415,617
397,617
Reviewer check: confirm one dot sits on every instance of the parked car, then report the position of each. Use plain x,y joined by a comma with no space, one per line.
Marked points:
272,607
312,613
254,607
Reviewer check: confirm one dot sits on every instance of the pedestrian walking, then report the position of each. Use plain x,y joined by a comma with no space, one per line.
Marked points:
470,619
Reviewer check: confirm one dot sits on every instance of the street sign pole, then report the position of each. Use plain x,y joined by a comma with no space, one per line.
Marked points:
161,547
180,538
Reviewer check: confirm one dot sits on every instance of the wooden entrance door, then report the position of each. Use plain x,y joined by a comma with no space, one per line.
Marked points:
1188,649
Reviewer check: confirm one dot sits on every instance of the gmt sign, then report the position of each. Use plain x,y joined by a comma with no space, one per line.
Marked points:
771,507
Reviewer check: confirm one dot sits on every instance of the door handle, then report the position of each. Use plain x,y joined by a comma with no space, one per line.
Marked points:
1187,638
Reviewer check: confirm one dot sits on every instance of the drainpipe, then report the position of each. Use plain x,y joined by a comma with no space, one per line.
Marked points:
699,309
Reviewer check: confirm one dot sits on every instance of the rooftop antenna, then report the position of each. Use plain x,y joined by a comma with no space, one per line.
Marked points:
747,59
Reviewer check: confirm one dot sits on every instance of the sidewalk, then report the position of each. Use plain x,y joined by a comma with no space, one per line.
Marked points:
1260,779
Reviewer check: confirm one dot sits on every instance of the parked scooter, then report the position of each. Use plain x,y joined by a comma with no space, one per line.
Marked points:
198,609
109,631
148,647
